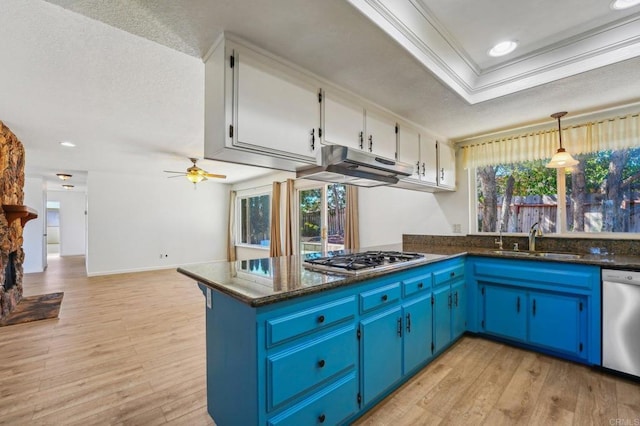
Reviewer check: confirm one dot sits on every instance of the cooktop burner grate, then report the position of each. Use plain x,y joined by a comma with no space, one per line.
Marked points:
361,261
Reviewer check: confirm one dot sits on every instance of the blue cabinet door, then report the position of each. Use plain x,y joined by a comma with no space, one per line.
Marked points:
417,332
459,308
505,312
441,318
555,322
381,353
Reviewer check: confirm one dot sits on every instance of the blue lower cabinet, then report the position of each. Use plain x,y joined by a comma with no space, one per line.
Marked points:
505,312
417,316
441,318
459,308
550,307
297,369
557,322
381,355
331,406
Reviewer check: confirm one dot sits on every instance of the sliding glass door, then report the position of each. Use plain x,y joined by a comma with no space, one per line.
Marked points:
321,218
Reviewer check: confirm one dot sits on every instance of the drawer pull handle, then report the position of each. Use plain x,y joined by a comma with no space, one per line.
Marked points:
453,274
420,285
321,418
321,319
321,363
384,297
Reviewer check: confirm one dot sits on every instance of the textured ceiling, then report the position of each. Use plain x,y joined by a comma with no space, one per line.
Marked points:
124,79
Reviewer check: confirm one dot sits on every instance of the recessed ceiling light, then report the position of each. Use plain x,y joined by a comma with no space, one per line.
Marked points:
67,187
623,4
68,144
503,48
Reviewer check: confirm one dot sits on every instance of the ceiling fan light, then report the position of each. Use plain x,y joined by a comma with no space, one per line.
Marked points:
623,4
195,177
503,48
561,159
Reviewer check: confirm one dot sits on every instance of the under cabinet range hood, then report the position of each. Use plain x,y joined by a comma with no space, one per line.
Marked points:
350,166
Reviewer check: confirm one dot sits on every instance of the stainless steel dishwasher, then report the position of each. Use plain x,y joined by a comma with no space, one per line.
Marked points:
621,321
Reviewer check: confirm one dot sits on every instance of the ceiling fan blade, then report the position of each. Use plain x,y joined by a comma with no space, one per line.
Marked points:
211,175
170,171
182,175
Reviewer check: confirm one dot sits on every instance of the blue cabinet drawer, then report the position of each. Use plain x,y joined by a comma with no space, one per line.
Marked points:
293,371
417,284
296,324
382,296
330,406
539,273
447,274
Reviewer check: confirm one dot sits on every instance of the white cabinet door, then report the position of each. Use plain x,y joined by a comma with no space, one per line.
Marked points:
446,166
409,148
381,134
343,122
274,112
428,160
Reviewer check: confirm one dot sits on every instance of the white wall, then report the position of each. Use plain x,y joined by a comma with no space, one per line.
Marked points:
386,213
72,221
133,219
35,253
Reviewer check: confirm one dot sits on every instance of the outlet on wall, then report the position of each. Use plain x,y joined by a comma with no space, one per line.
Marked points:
457,228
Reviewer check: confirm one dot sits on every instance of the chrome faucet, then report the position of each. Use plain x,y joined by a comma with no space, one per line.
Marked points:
499,241
533,233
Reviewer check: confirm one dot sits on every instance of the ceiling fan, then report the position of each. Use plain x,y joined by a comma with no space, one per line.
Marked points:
195,174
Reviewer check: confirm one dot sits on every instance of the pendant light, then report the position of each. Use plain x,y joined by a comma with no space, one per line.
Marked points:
561,158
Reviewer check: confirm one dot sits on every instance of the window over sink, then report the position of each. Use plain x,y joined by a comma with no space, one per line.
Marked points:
602,195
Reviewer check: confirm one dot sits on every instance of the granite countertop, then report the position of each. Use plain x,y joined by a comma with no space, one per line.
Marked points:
614,261
260,282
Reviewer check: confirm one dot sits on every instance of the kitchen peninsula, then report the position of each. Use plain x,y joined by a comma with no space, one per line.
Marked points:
288,345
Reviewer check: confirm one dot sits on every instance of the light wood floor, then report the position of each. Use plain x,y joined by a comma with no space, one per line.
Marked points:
129,349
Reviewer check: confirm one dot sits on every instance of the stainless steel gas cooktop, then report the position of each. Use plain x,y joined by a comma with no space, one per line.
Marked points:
341,262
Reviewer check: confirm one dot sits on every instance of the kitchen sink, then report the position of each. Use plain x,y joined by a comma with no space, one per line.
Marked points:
545,254
553,255
513,253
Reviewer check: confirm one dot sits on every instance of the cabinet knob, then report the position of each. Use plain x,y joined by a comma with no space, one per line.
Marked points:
321,319
453,274
321,363
321,418
420,285
384,297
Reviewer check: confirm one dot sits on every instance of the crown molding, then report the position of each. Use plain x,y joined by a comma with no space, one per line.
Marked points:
416,29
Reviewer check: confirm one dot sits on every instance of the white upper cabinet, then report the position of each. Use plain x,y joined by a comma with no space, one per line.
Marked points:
343,121
381,134
446,165
421,149
273,111
348,123
428,159
409,149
